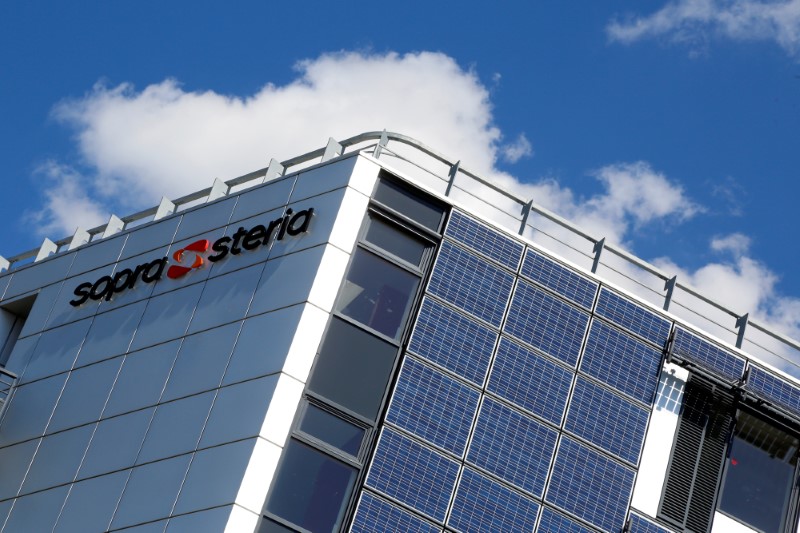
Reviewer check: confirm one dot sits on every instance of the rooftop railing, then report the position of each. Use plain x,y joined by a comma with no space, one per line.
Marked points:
506,207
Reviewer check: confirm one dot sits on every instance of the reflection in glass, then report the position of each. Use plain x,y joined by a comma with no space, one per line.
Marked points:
310,487
403,201
329,428
758,481
396,241
377,293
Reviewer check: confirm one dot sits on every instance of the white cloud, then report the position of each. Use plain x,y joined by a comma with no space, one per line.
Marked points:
514,151
138,145
736,243
693,22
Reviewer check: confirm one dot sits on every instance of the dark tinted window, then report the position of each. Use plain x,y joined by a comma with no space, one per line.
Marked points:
377,293
758,481
353,368
310,487
424,211
396,241
331,429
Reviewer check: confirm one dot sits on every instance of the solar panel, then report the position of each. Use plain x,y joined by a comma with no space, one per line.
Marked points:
530,380
553,522
484,239
640,524
451,340
471,283
606,420
558,278
774,389
546,323
693,348
590,485
413,474
433,406
376,514
619,360
482,504
512,446
632,317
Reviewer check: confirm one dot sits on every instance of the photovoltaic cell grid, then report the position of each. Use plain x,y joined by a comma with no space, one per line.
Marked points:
413,474
530,380
558,278
589,485
485,505
485,240
693,348
453,341
774,389
546,323
605,419
619,360
512,446
470,283
642,525
553,522
375,514
632,317
433,406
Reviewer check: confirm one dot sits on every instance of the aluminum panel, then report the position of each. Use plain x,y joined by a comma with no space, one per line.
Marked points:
225,299
239,411
110,334
141,379
176,427
167,316
91,504
84,395
116,443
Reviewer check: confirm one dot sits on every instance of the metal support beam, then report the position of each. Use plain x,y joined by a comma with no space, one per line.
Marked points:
275,170
218,190
598,250
47,248
115,225
333,149
4,264
381,145
526,211
669,286
80,237
452,177
741,326
165,207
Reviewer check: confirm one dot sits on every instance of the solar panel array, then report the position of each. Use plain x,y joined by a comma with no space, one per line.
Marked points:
774,389
376,514
560,279
494,467
413,474
621,361
482,504
470,283
530,380
614,424
553,522
546,323
485,240
691,347
640,524
632,317
589,485
453,341
433,406
512,446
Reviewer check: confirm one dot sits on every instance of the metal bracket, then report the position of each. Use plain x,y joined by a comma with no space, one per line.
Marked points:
80,237
526,211
114,225
47,248
275,170
741,326
598,250
669,286
333,149
451,178
165,207
381,145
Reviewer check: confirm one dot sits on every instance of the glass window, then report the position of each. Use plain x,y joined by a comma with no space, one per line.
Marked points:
353,368
329,428
377,293
396,241
421,210
760,470
310,487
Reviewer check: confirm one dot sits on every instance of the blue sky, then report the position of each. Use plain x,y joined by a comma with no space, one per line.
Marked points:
670,126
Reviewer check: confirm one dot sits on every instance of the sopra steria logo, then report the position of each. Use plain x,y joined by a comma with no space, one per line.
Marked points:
194,256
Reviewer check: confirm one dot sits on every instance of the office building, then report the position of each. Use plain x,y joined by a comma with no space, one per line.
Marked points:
371,337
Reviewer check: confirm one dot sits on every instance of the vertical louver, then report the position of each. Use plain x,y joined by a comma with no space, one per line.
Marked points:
697,459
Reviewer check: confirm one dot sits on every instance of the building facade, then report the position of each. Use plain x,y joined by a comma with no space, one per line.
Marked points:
351,344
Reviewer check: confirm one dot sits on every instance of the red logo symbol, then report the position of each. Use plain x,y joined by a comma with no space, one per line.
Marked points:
178,271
